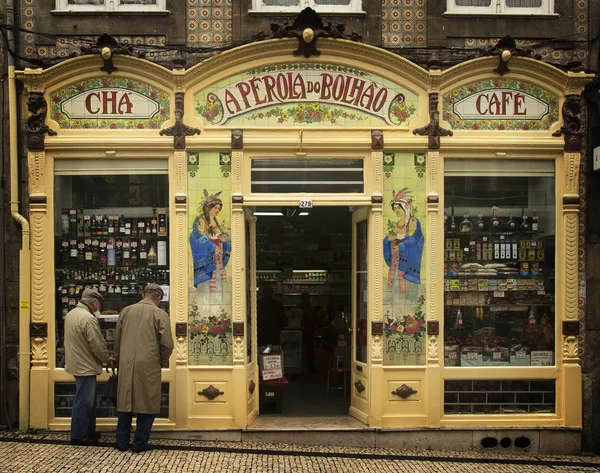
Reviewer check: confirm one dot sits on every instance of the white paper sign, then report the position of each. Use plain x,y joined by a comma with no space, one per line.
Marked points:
542,358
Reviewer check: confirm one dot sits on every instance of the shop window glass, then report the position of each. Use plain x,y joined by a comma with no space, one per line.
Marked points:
526,7
110,5
294,6
361,276
317,175
111,227
499,286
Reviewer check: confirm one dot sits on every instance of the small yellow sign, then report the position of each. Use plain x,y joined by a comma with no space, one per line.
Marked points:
24,304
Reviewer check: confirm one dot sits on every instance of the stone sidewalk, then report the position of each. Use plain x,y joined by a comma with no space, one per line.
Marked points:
50,452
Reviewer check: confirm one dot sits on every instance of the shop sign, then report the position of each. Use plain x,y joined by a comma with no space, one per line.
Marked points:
109,103
321,94
500,104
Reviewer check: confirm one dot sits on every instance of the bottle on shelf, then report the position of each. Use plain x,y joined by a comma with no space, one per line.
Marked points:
161,253
465,225
480,222
119,252
73,224
534,222
152,256
81,253
494,221
525,227
452,227
143,254
134,253
511,225
64,223
445,222
126,253
111,259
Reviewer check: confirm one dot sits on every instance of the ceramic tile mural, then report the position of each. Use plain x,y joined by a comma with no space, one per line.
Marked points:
403,23
403,250
209,226
295,94
500,104
208,22
110,102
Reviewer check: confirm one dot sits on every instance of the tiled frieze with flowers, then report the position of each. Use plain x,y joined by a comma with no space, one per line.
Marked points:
502,113
110,102
405,335
319,94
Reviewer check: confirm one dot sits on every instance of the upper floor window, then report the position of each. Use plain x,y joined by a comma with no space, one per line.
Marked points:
110,5
294,6
501,7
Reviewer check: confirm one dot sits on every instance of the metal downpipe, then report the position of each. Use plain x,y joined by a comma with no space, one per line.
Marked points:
25,252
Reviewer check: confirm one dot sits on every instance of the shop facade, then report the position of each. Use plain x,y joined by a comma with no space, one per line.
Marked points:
464,191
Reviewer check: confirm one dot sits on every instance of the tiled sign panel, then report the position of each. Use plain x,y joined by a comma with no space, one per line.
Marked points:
500,104
306,94
109,102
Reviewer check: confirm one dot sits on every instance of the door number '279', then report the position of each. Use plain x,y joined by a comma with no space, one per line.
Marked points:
306,204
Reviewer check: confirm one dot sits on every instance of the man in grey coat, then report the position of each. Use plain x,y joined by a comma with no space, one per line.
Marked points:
85,352
143,344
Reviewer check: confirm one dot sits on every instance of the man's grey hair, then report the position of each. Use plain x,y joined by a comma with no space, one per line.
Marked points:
153,293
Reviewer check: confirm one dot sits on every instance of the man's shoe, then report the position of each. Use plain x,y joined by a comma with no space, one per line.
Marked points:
84,442
120,448
96,435
146,448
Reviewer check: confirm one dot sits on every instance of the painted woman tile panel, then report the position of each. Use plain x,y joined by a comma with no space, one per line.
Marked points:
210,307
403,246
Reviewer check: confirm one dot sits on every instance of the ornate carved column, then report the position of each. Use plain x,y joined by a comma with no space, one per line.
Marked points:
376,248
238,250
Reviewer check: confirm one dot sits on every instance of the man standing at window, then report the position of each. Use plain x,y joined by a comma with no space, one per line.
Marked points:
143,344
85,352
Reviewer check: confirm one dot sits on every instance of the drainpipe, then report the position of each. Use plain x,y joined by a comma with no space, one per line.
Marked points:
25,252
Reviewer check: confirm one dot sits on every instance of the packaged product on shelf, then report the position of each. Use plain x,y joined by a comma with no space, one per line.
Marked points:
471,356
496,356
451,355
519,355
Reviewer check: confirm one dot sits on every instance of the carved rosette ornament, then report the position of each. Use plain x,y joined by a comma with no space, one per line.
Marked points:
211,392
107,47
181,351
404,391
179,130
506,48
251,387
573,126
307,28
35,126
433,130
39,351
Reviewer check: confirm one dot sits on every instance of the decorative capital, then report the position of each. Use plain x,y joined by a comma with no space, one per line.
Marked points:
404,391
433,327
307,28
433,130
376,139
506,48
107,47
179,130
573,127
35,127
237,139
211,392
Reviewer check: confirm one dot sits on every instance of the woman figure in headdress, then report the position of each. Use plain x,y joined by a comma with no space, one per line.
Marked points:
403,246
211,245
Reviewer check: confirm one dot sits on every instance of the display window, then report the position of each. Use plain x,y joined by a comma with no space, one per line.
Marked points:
499,268
111,230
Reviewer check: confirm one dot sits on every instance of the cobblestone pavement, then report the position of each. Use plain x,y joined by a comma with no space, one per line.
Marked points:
51,452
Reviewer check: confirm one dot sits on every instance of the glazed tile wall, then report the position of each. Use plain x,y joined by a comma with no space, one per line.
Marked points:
403,23
208,22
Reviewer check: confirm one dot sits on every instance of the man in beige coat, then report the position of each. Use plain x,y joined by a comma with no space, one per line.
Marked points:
143,344
85,352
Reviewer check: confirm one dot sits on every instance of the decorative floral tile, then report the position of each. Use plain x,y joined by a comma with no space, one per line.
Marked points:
403,23
208,22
